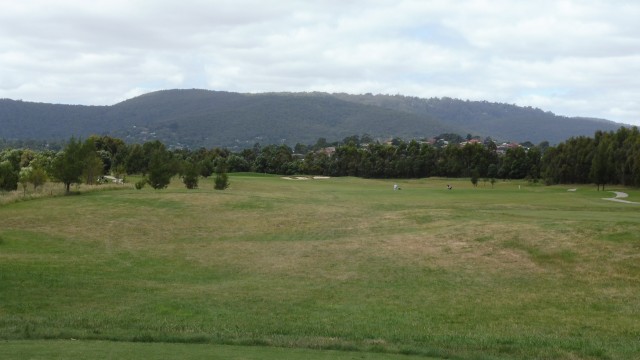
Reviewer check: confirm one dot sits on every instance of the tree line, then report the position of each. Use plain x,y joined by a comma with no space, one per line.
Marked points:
607,158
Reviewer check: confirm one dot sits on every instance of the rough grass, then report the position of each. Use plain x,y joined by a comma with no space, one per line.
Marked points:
515,271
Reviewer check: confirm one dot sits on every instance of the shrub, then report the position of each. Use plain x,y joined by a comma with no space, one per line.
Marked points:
190,182
221,181
141,183
191,175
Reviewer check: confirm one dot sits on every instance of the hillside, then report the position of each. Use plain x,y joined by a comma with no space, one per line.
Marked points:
208,118
27,120
500,121
197,118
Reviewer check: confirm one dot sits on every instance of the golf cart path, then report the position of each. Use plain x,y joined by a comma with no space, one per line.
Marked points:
619,197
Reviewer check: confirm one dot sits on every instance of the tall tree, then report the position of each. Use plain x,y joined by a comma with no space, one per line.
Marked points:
94,165
600,165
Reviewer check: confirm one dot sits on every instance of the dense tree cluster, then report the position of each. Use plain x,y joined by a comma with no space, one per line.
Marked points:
400,159
607,158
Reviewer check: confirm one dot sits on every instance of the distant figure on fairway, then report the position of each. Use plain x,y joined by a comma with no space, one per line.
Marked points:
449,187
395,187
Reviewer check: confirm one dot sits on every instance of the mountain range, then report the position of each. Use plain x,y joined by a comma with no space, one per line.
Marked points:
205,118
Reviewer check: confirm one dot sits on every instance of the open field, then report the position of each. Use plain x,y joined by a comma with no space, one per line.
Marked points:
516,271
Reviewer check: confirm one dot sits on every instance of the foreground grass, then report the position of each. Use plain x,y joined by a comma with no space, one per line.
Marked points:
73,349
346,264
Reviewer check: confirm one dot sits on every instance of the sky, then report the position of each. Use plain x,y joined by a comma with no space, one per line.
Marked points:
574,57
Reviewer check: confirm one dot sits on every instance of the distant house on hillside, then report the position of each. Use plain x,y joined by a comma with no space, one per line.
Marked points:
471,141
502,149
327,151
441,143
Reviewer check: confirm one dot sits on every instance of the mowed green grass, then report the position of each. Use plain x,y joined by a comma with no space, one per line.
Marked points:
514,271
97,349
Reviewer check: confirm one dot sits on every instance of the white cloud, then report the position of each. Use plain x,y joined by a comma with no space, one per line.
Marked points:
576,58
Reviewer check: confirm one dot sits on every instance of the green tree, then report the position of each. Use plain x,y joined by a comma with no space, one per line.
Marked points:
601,163
68,165
93,167
162,167
453,163
8,176
492,173
206,167
26,158
44,160
14,157
515,163
112,151
190,174
237,163
475,174
273,159
136,162
24,176
37,177
221,180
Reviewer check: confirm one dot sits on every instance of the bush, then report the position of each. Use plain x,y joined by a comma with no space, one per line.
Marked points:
191,175
221,181
190,182
141,183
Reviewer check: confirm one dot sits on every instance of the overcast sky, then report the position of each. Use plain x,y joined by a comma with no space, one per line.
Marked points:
574,58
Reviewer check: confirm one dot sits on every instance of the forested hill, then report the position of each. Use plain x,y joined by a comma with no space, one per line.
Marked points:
498,120
197,118
208,118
